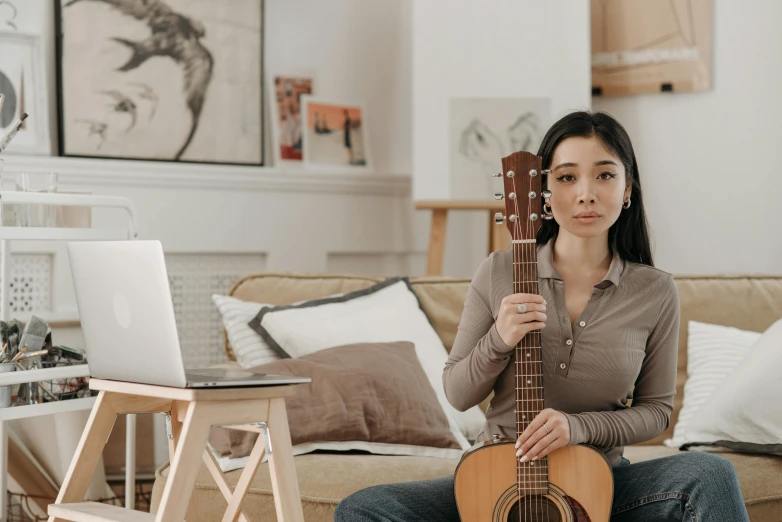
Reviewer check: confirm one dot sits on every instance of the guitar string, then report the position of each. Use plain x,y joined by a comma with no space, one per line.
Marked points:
517,273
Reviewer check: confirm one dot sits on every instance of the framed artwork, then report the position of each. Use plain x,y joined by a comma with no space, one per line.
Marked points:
286,115
175,80
485,130
651,46
22,78
335,133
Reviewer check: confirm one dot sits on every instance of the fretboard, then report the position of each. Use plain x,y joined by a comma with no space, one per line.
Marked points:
529,364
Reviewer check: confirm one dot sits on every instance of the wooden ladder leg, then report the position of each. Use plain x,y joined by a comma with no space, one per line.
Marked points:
287,499
243,485
174,419
222,485
184,466
436,254
88,452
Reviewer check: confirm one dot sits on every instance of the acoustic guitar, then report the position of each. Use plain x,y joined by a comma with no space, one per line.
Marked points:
571,484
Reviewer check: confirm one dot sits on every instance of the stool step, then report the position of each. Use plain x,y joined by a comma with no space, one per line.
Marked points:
97,512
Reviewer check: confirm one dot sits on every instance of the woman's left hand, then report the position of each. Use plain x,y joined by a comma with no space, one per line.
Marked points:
548,431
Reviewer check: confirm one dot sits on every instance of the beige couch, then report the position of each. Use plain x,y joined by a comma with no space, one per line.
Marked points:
749,302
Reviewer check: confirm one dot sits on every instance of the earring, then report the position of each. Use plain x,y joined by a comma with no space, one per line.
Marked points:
627,203
547,214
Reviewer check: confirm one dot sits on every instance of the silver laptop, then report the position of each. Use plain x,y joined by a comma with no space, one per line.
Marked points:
127,318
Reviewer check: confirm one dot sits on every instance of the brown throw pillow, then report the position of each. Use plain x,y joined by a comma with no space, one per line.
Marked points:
373,392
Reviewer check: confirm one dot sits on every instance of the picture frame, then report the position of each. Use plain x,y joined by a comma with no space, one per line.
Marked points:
23,81
286,138
192,91
325,142
483,130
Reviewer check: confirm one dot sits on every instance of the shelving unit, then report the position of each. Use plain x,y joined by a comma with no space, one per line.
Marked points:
12,233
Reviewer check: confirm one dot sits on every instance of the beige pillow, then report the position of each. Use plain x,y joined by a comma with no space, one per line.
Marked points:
369,396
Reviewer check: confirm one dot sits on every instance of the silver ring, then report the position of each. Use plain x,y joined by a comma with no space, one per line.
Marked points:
522,308
547,431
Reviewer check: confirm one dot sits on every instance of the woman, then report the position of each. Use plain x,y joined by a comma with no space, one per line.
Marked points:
609,324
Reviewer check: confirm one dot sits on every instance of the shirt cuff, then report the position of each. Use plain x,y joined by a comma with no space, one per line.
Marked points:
496,348
577,432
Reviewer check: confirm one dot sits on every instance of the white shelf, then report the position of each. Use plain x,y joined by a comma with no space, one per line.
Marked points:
290,177
44,374
62,234
46,408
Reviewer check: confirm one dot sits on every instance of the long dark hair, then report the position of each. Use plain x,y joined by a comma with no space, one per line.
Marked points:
629,236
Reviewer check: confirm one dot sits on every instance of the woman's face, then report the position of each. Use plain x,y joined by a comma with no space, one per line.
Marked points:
588,187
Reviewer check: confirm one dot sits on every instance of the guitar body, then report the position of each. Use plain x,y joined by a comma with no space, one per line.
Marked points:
486,485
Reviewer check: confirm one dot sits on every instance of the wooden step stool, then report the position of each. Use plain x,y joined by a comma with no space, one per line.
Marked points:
191,412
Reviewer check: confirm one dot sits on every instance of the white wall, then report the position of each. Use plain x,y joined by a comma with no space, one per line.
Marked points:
502,48
710,161
358,51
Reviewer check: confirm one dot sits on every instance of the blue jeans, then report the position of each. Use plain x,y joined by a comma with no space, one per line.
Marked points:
695,486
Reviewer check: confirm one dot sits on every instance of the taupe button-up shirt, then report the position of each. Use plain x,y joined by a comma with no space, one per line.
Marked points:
623,346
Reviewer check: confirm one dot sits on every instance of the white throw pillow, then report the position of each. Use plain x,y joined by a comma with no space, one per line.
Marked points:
386,312
744,413
248,347
713,351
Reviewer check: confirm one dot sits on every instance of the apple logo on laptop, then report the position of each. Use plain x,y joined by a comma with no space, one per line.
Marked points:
122,310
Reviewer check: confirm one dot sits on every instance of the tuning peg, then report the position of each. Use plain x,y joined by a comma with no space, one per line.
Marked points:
533,173
498,196
499,219
546,193
545,172
498,175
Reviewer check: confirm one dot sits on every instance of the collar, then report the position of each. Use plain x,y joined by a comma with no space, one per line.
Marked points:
546,268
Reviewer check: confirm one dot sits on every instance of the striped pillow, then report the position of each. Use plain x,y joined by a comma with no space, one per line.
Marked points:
248,347
713,352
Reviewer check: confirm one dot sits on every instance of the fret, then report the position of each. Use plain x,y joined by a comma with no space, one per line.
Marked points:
523,241
525,262
522,282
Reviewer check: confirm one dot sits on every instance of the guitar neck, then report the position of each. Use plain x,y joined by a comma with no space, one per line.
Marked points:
529,360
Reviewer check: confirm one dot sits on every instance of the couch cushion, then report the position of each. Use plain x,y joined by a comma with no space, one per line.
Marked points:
746,302
325,479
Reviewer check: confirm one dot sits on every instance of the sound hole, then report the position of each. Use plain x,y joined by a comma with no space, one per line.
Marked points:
538,508
534,508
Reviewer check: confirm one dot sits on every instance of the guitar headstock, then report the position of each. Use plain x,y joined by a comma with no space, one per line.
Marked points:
521,176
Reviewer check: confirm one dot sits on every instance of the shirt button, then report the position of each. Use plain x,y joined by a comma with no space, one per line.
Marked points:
582,324
569,342
562,365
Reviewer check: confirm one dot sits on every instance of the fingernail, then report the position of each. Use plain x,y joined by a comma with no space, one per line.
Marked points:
535,458
523,459
518,453
518,443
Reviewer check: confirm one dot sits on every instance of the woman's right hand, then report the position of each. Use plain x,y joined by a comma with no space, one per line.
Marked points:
513,326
